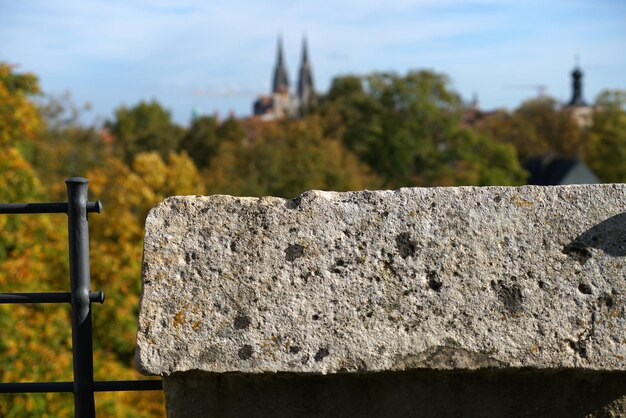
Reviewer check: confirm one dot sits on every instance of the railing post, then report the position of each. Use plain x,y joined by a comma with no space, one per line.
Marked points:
82,345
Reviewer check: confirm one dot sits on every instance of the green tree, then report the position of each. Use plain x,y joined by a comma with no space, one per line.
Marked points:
231,130
201,140
396,124
408,130
473,158
538,127
144,127
285,159
607,147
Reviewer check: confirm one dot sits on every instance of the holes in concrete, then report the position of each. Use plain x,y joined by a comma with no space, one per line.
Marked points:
305,277
321,354
294,203
510,296
294,251
315,317
241,322
433,281
189,257
608,300
294,349
585,289
578,347
406,247
338,265
245,352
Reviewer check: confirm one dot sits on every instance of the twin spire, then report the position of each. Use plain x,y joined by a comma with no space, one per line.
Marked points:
280,82
280,103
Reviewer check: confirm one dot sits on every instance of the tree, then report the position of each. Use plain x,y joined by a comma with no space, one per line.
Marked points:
285,159
144,127
201,141
537,127
66,148
607,145
473,158
407,129
231,130
20,121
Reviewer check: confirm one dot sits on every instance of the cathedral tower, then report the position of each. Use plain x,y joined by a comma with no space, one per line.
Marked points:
280,82
306,88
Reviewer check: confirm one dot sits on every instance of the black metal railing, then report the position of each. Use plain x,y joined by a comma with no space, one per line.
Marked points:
80,297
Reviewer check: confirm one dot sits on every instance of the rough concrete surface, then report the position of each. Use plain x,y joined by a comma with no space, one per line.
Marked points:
440,278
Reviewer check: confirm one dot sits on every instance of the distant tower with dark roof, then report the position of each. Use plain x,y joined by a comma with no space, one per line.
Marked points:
577,88
306,88
280,82
581,111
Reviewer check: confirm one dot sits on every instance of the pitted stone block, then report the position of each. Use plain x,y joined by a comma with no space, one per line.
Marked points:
438,278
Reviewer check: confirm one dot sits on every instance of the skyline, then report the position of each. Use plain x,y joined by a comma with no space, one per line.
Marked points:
220,56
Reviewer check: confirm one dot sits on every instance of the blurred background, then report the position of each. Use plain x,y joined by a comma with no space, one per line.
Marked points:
154,98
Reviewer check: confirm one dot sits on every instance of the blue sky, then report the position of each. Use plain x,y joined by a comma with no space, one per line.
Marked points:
218,55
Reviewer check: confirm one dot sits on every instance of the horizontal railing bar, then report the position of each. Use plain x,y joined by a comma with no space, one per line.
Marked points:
127,385
53,297
102,386
8,208
37,387
56,297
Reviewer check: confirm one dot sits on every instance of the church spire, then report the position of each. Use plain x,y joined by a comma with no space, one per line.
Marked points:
280,83
306,88
577,86
305,51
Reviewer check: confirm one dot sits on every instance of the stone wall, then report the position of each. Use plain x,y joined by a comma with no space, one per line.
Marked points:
492,301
